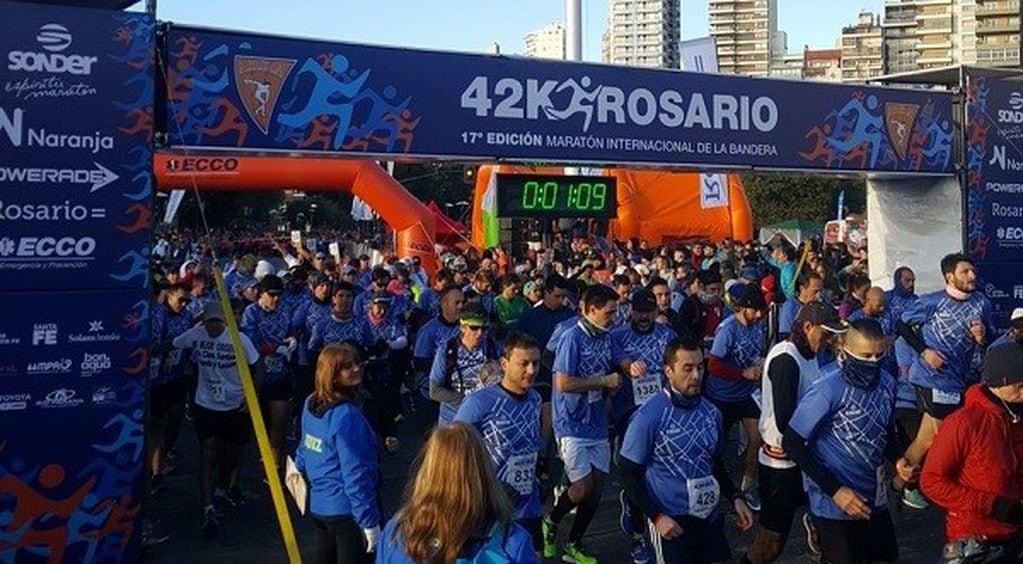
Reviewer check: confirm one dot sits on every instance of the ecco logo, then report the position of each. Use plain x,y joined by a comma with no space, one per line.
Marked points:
202,164
47,247
1010,233
53,38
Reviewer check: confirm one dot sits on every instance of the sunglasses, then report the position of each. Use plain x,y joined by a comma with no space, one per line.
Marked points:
475,327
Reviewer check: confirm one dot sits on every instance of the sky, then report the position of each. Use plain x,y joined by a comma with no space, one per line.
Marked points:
470,25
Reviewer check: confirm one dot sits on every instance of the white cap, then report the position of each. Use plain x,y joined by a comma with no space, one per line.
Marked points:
1016,314
263,268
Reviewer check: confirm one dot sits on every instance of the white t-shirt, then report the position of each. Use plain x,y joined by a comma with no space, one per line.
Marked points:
220,385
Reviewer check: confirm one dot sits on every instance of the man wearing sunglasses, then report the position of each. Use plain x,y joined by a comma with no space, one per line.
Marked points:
459,366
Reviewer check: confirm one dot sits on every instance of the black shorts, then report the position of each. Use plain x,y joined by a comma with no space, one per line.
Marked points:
164,396
733,412
701,542
908,423
854,541
939,410
233,426
281,390
781,494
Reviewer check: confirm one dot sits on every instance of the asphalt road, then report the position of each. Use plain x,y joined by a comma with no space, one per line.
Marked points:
249,533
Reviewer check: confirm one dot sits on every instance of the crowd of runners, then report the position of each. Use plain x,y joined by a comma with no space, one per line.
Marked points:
549,381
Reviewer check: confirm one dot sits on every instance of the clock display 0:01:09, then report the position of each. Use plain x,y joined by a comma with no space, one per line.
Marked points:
563,196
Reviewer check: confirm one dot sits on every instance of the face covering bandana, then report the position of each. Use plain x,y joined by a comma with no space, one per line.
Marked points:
678,399
956,293
709,298
859,372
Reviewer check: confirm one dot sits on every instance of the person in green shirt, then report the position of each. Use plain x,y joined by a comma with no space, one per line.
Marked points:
509,305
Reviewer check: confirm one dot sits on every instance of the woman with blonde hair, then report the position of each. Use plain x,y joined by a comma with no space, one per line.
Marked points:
338,457
455,509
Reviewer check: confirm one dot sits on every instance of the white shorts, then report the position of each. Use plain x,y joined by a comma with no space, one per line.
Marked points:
581,456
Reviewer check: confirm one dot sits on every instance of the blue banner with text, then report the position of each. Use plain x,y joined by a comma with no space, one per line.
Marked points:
230,90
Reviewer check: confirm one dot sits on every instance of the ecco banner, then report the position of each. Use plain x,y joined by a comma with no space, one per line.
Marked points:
76,112
231,90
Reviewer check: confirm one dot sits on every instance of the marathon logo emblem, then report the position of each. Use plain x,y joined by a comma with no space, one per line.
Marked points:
899,120
258,81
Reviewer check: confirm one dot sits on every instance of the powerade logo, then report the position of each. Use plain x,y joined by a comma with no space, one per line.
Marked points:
93,364
531,100
14,402
55,39
1015,113
59,399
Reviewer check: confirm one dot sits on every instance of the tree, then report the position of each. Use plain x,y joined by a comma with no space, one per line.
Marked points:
774,197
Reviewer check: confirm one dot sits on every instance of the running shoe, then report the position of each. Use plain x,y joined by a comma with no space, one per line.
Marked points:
752,496
641,552
210,522
812,542
550,538
913,498
624,515
574,555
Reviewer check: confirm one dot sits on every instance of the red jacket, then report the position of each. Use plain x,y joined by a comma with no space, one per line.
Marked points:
976,458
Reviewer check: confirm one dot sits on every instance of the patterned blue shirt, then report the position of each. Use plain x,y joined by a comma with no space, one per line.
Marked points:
648,347
741,346
581,355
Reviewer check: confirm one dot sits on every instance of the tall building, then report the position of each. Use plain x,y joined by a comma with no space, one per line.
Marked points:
998,32
645,33
547,42
822,64
899,30
745,31
863,49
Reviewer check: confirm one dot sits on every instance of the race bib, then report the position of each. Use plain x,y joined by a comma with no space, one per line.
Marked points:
880,488
520,473
703,496
646,387
275,364
945,398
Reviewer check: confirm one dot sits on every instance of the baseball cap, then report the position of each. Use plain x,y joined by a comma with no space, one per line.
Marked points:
817,313
474,315
528,287
644,300
751,297
249,262
270,283
1003,365
382,298
213,310
1016,319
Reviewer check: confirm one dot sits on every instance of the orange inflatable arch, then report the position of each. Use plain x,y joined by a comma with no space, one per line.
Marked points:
411,220
653,205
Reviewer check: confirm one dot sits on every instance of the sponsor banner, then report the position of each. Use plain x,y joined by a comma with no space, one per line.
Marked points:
234,90
76,113
994,161
713,190
73,371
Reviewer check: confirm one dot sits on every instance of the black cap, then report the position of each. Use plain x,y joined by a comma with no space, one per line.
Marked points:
1003,365
318,279
644,300
752,297
270,283
817,313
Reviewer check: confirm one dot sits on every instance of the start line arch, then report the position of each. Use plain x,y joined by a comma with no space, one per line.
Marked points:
412,222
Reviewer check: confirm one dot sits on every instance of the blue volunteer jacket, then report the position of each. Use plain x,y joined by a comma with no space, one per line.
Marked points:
338,457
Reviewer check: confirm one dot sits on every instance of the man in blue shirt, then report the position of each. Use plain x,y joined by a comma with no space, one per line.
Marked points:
783,257
583,371
808,289
948,329
840,435
735,366
508,418
341,325
460,365
671,466
437,332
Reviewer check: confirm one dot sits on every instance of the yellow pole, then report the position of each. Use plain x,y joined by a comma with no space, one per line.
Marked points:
252,402
802,259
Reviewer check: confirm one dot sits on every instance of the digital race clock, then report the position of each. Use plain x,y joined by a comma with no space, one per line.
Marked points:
539,195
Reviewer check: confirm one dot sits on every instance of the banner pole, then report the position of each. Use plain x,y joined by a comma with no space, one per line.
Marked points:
252,403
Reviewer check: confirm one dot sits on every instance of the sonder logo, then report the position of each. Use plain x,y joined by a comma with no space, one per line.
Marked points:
55,39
